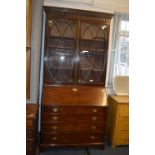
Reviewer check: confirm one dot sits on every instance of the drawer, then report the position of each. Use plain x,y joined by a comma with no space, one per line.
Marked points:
122,138
71,138
73,109
73,127
29,134
29,123
124,111
123,124
46,118
30,147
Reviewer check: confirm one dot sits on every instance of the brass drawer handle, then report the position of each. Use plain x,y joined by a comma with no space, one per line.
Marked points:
55,109
55,118
95,110
93,127
94,118
54,138
54,127
74,89
92,137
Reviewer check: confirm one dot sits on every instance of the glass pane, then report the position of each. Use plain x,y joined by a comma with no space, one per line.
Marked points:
122,68
61,47
59,65
124,25
92,53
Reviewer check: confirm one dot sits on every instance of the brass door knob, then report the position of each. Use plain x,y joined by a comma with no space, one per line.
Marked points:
55,109
55,118
94,118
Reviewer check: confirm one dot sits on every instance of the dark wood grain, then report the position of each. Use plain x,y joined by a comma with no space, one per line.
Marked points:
65,95
55,109
59,42
77,128
31,129
74,100
62,12
72,138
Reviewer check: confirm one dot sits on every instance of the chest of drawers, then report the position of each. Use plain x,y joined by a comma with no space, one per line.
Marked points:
79,123
118,120
31,129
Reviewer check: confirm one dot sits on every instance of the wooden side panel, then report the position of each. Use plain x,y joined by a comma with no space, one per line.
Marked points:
118,122
124,111
111,118
28,45
122,138
28,64
28,22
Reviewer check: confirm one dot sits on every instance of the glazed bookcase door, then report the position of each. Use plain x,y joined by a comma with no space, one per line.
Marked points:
92,53
60,51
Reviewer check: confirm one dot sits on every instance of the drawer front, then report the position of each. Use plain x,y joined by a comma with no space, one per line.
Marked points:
46,118
29,123
123,124
29,134
73,109
122,138
73,127
30,147
124,111
71,138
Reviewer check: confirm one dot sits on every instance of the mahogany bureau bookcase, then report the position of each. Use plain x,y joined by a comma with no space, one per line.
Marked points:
74,100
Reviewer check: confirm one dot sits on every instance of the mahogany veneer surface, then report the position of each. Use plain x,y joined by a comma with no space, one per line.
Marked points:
73,118
65,95
31,129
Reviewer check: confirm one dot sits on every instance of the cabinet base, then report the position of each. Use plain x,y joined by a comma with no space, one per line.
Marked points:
44,147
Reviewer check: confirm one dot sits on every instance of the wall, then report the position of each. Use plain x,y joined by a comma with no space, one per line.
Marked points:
109,6
35,50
